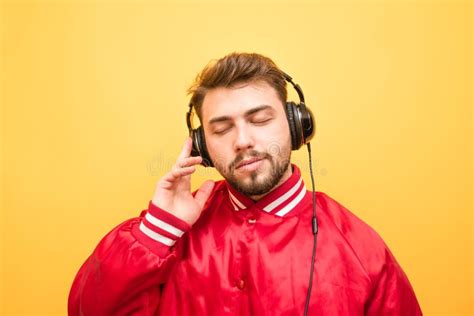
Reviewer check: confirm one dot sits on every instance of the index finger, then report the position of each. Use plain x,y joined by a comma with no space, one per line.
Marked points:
186,151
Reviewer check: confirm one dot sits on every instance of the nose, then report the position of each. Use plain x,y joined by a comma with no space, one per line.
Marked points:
244,139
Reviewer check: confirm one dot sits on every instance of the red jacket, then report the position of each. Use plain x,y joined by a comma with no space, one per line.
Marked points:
244,258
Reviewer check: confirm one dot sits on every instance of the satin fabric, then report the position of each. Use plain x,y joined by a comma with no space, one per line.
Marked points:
246,262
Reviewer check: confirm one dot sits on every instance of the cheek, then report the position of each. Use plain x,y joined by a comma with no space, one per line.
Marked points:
277,133
219,151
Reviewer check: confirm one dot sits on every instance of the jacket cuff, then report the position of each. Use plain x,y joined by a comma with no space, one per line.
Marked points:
159,229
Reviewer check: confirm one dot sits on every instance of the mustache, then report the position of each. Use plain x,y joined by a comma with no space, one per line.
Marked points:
249,154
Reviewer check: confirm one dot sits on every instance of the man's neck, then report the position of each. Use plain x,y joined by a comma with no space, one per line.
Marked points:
285,177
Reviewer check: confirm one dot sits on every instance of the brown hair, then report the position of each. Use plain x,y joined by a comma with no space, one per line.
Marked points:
236,68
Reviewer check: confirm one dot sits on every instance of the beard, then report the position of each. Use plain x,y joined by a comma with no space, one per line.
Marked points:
259,181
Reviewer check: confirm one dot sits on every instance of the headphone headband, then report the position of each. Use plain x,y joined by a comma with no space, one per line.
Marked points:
296,86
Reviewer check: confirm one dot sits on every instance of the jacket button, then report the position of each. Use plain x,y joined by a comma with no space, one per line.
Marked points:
241,284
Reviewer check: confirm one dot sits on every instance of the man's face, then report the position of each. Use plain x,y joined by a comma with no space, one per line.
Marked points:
247,136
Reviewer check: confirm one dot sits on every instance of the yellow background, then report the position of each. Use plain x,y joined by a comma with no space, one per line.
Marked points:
93,104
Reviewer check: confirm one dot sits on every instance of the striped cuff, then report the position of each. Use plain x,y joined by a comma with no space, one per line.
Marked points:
162,226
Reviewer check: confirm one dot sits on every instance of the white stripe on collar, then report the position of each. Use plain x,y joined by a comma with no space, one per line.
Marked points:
270,207
293,203
239,204
233,204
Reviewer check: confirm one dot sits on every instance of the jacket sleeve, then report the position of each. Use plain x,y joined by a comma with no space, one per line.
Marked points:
392,293
124,273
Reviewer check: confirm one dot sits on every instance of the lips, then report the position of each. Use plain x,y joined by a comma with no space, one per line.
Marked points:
248,162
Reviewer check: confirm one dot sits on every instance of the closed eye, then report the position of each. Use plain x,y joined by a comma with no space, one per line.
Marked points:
261,121
221,131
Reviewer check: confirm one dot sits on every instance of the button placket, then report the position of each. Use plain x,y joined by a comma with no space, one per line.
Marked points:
252,217
240,284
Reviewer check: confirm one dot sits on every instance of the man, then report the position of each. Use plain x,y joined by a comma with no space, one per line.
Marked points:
242,245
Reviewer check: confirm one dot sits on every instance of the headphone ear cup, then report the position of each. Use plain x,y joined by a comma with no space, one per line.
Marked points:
294,130
308,128
199,142
195,149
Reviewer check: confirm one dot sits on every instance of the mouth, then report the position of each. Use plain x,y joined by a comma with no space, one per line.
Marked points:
248,162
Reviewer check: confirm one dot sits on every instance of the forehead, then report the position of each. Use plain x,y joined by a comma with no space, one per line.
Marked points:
235,101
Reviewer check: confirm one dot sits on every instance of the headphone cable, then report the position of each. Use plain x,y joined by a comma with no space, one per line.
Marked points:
314,225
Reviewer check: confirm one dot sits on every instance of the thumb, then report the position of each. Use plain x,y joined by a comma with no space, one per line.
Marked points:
203,193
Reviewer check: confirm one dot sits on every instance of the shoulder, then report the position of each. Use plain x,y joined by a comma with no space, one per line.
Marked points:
345,220
366,243
339,213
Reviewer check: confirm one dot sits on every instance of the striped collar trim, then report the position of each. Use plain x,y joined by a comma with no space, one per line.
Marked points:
280,201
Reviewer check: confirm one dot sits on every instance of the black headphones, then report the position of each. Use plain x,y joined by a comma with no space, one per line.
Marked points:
300,120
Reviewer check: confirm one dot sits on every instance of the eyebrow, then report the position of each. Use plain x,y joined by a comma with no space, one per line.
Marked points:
248,113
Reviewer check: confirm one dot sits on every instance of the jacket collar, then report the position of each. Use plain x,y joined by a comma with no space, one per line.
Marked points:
280,201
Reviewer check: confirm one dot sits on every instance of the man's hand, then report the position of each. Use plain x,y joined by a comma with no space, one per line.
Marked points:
173,191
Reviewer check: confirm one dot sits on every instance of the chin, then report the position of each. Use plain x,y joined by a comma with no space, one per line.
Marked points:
256,183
